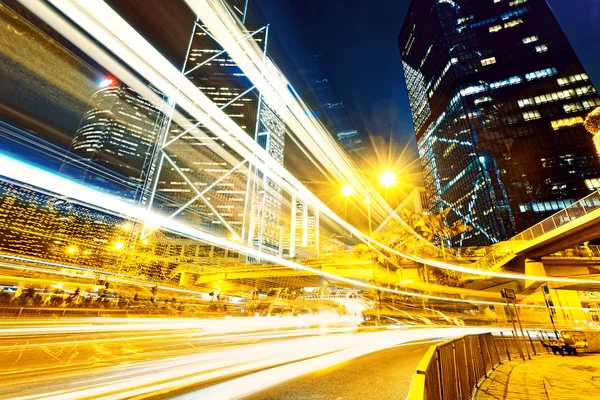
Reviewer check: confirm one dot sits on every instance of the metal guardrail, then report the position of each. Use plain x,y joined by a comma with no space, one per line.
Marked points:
452,369
455,368
570,213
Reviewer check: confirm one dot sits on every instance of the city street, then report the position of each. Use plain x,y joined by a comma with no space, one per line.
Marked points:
385,374
299,199
201,359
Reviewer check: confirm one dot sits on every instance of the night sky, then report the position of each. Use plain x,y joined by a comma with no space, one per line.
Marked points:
358,42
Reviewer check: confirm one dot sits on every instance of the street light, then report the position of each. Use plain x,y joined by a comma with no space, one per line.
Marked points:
119,245
387,179
347,190
72,249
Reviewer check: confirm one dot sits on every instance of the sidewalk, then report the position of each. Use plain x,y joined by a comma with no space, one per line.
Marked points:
545,376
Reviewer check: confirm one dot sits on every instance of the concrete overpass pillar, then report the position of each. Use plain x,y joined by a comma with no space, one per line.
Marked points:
574,314
533,267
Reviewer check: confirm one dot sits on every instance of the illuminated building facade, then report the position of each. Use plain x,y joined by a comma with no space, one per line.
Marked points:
228,197
115,141
498,98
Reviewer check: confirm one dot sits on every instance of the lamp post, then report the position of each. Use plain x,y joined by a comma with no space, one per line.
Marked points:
387,179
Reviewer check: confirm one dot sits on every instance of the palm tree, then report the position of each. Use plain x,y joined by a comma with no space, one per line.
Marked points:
432,226
429,226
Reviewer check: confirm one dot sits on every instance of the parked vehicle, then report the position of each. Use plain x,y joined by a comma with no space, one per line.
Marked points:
569,342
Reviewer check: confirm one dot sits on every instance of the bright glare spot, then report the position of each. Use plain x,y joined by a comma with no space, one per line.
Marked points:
235,237
145,241
72,249
127,226
119,245
59,285
86,252
347,190
106,83
387,179
367,201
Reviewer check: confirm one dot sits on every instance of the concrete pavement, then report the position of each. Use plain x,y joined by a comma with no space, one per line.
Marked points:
546,376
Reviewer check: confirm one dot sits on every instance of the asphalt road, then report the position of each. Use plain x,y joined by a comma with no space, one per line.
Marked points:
265,358
381,375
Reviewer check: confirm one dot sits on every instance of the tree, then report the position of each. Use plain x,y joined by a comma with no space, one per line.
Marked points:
592,122
429,226
432,226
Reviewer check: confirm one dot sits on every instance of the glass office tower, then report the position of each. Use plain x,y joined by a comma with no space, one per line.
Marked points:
115,141
498,98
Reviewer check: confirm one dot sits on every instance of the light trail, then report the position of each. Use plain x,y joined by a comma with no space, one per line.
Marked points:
23,172
161,372
130,46
249,58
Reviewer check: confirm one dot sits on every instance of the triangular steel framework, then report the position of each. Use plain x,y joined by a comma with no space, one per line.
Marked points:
166,142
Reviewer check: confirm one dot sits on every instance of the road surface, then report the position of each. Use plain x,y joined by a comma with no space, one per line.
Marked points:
214,359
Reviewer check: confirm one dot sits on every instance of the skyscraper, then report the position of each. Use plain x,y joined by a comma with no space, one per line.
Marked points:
115,141
332,112
498,98
228,196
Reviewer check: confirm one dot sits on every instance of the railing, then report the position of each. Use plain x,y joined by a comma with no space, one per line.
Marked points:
570,213
504,252
454,368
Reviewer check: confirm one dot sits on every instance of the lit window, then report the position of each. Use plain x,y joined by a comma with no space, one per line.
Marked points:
495,28
592,184
513,80
483,100
572,79
580,106
530,39
515,22
488,61
541,74
525,103
472,90
541,48
566,122
516,2
531,115
514,13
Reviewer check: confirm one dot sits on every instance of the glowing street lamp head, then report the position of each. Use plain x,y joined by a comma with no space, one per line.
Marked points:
387,179
127,226
71,249
347,190
234,238
119,245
